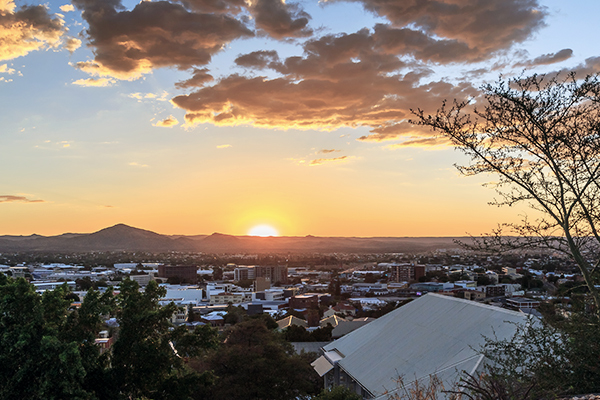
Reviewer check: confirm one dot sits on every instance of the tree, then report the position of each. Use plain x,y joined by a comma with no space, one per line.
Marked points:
254,362
338,393
540,135
148,357
46,350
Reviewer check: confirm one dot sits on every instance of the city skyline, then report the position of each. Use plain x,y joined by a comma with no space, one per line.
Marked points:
197,116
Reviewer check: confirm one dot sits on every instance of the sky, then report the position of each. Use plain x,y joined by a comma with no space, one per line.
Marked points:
201,116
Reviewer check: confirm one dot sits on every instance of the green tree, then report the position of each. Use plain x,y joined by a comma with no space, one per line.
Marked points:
42,349
540,135
255,363
338,393
148,357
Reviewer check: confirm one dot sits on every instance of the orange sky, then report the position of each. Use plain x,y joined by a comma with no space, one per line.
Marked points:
200,116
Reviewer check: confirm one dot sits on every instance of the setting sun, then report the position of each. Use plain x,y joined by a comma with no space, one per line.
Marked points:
263,230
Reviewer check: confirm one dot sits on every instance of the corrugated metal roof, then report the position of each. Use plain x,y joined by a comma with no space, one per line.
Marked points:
434,334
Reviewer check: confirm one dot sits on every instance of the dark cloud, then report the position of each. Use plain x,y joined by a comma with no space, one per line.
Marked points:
153,34
279,19
7,198
483,26
405,41
590,66
198,79
258,59
28,29
546,59
327,151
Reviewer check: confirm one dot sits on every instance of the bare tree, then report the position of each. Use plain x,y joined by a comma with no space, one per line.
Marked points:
541,136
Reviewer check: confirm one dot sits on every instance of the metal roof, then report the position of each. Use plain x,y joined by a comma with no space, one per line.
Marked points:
434,334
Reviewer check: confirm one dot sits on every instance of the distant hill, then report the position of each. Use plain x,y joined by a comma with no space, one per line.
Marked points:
122,237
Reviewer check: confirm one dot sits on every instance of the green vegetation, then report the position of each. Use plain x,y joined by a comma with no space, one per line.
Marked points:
48,350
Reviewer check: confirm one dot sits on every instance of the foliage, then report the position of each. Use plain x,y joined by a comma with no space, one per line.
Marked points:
540,135
295,333
254,362
48,350
45,349
544,359
338,393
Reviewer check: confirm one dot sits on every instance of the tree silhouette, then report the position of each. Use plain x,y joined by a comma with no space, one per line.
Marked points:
540,135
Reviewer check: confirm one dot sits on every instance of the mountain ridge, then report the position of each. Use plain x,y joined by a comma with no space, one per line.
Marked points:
122,237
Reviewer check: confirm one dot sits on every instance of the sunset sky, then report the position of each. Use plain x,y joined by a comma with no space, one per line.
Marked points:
202,116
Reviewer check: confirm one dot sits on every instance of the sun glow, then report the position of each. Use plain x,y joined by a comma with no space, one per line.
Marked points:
263,230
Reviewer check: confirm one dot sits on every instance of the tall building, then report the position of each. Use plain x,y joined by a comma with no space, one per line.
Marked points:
275,273
407,272
243,273
185,273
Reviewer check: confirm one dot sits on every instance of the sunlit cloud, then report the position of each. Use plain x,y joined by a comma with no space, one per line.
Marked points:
420,142
138,165
149,96
322,161
4,69
223,146
28,29
72,44
97,82
168,122
7,198
67,8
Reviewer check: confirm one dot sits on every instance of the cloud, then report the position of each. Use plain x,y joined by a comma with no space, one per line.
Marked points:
223,146
135,164
72,44
326,151
149,96
421,142
590,66
28,29
546,59
279,19
198,79
4,69
7,198
97,82
258,59
342,80
483,27
168,122
321,161
67,8
128,44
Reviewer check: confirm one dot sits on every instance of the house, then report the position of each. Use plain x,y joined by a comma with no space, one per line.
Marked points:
432,335
291,320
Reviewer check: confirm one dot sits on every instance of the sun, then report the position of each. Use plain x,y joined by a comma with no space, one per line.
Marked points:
263,230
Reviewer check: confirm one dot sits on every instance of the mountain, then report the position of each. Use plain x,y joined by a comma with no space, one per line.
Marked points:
122,237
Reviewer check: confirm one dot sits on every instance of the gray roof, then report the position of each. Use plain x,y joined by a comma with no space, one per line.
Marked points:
434,334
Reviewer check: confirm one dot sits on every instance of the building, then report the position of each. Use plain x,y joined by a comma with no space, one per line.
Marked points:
432,335
304,301
278,274
185,273
243,273
407,272
261,283
521,303
495,290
